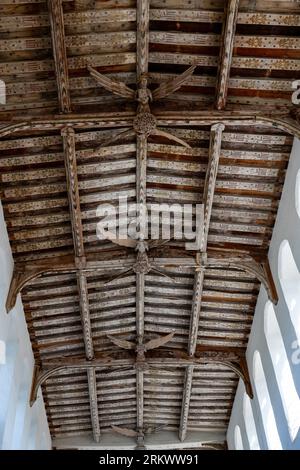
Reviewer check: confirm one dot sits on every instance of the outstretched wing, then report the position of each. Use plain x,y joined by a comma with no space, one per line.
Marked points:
118,88
170,86
122,343
152,430
115,138
124,431
107,235
169,136
157,342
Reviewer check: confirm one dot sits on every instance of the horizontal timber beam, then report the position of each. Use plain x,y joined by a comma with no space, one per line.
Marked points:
162,440
240,117
158,359
25,272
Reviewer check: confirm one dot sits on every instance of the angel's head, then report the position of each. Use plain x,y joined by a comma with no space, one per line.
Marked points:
143,81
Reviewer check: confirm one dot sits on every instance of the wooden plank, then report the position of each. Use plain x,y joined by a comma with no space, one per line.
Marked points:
104,16
193,39
227,41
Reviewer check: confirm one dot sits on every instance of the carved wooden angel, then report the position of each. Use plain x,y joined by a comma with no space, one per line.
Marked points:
145,122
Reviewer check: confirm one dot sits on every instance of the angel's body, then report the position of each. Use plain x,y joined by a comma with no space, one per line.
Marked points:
143,95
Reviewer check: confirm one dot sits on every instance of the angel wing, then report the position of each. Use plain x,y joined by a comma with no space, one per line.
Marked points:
170,86
129,243
125,431
107,235
118,88
157,342
122,343
169,136
155,429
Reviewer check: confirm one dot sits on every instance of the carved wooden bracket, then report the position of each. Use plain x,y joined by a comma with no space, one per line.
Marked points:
261,271
24,273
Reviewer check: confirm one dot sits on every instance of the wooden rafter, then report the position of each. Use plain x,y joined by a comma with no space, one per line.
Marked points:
187,392
141,164
93,398
59,53
210,180
142,39
208,195
227,40
68,136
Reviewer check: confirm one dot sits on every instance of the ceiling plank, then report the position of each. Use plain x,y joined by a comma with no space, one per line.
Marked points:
229,26
60,54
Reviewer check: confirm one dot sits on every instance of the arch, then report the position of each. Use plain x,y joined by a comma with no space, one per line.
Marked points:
289,278
265,405
238,442
283,373
297,193
250,423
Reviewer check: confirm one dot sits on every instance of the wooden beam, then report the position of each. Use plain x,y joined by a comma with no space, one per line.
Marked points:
141,164
68,136
140,400
187,392
163,440
85,314
208,196
160,359
239,117
142,40
92,384
227,40
59,54
25,272
211,178
260,270
196,303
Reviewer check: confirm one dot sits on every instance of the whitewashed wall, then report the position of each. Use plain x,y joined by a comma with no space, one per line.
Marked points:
287,227
21,427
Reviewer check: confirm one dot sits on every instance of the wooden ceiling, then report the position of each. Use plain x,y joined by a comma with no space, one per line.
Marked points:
236,117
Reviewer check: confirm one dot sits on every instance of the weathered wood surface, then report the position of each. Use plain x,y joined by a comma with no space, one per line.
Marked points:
50,201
